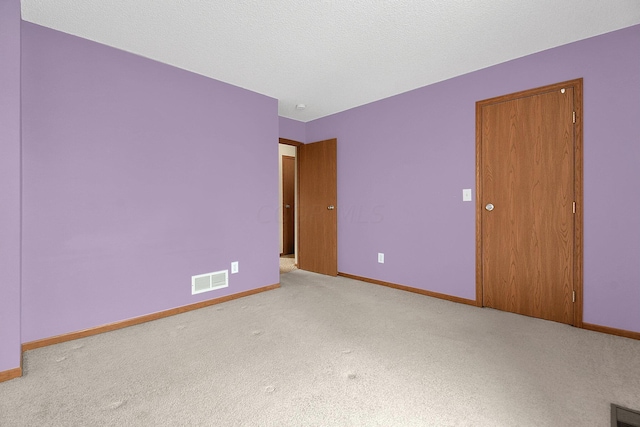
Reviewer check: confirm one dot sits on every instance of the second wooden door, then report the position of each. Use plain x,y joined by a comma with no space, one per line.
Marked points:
317,208
288,205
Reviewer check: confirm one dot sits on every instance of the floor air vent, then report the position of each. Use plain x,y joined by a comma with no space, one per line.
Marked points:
623,417
209,281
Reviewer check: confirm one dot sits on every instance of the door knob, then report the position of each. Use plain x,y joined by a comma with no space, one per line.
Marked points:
330,207
287,206
489,207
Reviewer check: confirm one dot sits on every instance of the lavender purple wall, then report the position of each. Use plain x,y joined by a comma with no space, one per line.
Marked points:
292,129
403,162
136,176
9,184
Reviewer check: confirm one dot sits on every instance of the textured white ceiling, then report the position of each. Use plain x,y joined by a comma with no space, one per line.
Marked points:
332,55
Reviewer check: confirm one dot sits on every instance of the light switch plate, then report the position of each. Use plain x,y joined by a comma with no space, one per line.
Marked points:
381,258
234,267
466,195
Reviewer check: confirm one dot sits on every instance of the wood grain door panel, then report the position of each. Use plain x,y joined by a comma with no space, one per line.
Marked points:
318,210
527,172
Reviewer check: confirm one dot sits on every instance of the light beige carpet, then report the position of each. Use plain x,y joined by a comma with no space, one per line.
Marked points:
287,263
324,351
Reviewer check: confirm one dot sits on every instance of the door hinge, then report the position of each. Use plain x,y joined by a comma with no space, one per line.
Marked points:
574,117
574,207
574,296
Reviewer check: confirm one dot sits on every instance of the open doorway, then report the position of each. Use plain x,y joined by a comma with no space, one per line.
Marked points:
288,205
314,209
287,158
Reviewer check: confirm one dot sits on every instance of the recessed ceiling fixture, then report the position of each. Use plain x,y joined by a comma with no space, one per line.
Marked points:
300,107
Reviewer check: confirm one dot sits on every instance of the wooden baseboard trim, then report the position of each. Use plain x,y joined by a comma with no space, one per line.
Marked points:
589,326
612,331
410,289
10,374
137,320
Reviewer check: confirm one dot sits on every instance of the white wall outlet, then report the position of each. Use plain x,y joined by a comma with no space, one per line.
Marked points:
380,258
234,267
466,195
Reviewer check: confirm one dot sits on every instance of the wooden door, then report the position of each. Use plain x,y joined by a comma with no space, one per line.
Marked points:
317,207
527,187
288,204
